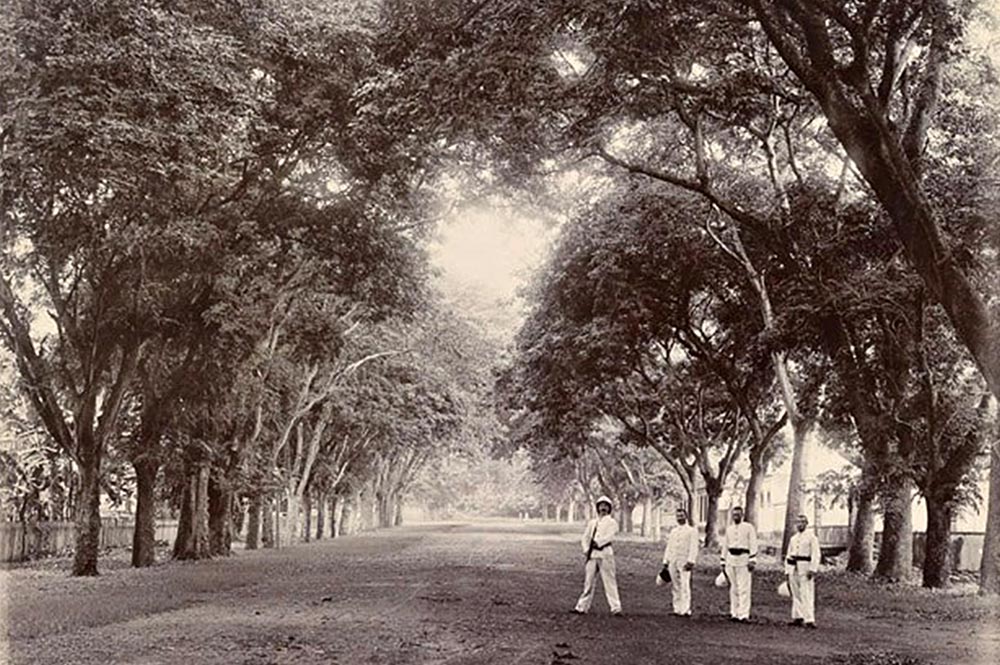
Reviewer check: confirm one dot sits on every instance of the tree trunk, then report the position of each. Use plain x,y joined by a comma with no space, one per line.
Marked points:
989,572
397,519
647,517
238,511
862,547
752,496
320,515
220,525
796,477
253,522
371,514
657,521
267,523
712,518
280,532
144,535
625,513
389,518
347,516
380,510
336,515
307,509
88,514
571,511
291,526
937,545
895,558
192,531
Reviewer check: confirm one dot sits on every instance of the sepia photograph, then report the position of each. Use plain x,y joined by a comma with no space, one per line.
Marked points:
514,332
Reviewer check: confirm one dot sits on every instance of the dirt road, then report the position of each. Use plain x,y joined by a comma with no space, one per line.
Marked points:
488,592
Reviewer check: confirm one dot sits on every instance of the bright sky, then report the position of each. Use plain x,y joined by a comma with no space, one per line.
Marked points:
490,253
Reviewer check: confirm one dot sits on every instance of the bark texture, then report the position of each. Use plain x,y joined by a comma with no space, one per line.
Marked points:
895,558
860,553
192,529
937,546
88,516
253,522
989,572
144,536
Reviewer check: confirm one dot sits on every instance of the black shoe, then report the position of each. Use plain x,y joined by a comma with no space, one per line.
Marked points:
576,611
810,625
618,615
795,622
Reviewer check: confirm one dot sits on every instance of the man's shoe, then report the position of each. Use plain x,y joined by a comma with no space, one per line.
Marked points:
576,611
795,622
810,625
617,614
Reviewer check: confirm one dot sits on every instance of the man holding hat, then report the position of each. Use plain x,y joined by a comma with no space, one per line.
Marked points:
679,558
801,566
596,544
739,558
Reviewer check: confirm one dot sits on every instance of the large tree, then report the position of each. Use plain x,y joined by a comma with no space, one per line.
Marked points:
102,190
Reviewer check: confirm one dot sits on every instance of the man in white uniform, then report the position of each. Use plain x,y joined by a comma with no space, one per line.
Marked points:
739,558
801,566
596,544
679,558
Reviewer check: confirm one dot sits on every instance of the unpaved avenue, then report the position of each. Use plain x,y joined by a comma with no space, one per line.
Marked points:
467,593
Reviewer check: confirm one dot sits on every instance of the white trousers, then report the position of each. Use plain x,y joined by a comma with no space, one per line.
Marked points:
680,581
740,584
803,597
608,579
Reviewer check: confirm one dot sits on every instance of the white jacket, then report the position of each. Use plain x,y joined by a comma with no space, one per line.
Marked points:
602,530
682,545
739,545
803,553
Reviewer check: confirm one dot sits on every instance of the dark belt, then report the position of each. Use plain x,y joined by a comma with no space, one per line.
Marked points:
736,551
795,558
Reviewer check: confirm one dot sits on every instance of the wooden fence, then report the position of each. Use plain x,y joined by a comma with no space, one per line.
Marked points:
34,540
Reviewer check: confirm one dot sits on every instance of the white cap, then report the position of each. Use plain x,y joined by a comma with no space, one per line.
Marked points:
604,499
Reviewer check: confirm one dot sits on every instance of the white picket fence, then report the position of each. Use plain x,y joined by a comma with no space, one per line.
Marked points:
33,540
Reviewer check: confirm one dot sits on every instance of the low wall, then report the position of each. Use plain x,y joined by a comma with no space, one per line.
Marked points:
34,540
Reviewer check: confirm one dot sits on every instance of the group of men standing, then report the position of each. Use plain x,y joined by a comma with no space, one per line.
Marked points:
738,559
